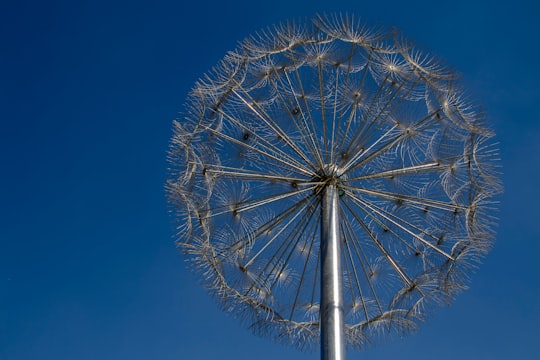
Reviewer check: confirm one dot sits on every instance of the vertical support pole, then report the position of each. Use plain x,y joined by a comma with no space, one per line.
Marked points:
331,316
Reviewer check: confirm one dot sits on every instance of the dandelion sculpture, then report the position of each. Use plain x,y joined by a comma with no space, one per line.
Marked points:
331,182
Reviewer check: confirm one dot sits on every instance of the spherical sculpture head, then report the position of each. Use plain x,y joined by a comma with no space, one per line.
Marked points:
331,103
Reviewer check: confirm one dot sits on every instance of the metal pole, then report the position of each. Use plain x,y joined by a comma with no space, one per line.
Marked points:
331,316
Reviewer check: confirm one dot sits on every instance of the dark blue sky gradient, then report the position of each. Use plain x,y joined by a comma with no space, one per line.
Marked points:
88,90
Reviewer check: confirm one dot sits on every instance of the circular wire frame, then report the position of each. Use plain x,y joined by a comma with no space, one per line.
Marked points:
297,107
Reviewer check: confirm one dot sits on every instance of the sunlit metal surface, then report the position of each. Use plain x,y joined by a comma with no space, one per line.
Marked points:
332,320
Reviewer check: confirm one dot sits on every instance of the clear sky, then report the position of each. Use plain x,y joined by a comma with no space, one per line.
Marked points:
88,90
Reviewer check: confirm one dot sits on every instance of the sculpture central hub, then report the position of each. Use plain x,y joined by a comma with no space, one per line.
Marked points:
329,174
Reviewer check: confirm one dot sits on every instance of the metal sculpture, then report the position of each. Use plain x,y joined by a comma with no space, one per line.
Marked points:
331,182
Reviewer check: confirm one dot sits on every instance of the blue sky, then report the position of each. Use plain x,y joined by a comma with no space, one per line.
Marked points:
88,90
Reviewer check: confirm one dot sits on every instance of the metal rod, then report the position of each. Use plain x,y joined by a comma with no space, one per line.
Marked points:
331,316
